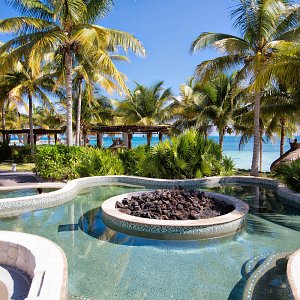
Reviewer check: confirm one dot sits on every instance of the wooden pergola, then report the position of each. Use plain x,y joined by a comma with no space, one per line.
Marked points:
36,132
128,130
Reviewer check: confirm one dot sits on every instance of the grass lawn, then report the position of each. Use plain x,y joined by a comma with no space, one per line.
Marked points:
20,167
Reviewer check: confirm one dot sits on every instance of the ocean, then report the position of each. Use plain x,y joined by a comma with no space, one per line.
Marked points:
242,158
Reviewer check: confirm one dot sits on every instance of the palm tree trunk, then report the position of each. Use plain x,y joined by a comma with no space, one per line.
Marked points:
31,139
3,117
77,143
221,138
256,144
69,67
260,151
282,137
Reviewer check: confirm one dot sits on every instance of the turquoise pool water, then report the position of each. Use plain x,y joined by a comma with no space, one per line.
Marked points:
104,264
22,193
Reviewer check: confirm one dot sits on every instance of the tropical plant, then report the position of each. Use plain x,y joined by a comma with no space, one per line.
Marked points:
263,25
61,162
133,159
24,83
187,156
290,174
65,28
145,105
99,162
185,110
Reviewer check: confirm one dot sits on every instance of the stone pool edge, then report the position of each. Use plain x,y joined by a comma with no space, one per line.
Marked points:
15,206
216,227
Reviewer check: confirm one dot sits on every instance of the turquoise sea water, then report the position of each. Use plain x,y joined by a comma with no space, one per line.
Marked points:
241,158
107,265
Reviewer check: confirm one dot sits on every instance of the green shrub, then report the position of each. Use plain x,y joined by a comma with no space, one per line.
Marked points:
99,162
60,162
22,154
289,173
187,156
132,159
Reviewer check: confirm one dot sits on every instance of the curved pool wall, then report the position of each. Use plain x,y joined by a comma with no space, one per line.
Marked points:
216,227
104,264
15,206
41,259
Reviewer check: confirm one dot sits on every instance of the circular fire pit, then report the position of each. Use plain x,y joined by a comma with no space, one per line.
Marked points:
179,229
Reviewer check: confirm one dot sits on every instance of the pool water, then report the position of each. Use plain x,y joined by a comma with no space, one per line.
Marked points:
22,193
104,264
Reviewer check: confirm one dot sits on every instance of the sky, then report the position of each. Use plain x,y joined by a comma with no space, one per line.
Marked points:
166,28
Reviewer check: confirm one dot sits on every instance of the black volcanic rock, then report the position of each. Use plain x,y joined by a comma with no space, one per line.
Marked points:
174,204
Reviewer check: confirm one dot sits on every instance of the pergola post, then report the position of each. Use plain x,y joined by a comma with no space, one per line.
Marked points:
99,140
129,140
149,136
55,138
160,136
28,138
34,138
125,138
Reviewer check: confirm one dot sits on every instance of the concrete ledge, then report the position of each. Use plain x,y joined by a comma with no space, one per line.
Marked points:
41,259
175,230
16,206
293,274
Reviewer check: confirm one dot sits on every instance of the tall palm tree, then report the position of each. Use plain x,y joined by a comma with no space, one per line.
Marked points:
89,75
263,25
218,105
208,105
25,84
67,26
145,105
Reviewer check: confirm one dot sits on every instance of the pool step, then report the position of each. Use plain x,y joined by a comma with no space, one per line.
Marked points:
252,264
267,279
14,283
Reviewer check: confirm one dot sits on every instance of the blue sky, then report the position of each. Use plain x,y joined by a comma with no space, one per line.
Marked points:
166,28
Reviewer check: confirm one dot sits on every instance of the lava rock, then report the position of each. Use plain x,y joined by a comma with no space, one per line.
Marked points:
175,203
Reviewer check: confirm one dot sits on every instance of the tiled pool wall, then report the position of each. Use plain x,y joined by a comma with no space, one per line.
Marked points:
16,206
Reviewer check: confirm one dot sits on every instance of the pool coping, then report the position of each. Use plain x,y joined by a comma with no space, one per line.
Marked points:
216,227
15,206
43,260
42,185
293,274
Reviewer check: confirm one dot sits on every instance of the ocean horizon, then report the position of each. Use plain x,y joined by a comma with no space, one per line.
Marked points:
242,158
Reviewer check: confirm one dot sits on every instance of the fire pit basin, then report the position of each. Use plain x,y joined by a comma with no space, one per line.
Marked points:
216,227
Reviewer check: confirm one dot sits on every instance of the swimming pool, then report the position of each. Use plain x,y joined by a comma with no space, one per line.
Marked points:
104,264
23,192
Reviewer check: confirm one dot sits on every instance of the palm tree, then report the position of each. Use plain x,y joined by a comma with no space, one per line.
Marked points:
25,84
95,110
185,110
263,25
208,105
145,105
66,26
88,75
286,66
218,105
281,105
